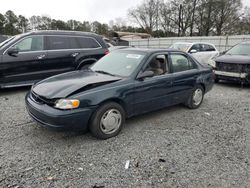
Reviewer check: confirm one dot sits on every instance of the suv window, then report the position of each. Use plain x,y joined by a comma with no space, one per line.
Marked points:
210,48
181,63
34,43
58,42
195,47
83,42
207,48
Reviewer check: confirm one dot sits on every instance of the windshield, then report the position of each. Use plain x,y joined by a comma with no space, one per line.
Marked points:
240,49
6,41
181,46
118,63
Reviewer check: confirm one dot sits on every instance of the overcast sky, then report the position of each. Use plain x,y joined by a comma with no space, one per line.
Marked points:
81,10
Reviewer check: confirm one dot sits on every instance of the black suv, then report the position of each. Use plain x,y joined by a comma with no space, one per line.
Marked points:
30,57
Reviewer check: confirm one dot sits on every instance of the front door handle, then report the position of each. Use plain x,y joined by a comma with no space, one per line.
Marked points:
41,56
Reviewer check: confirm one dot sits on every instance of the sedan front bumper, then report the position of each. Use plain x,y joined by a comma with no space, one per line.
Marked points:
50,117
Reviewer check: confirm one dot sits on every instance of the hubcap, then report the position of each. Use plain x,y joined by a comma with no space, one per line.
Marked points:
197,97
111,121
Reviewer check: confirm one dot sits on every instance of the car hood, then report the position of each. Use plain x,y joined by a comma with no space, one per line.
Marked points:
238,59
63,85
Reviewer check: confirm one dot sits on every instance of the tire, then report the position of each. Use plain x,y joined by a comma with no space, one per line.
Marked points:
197,92
216,80
84,67
111,114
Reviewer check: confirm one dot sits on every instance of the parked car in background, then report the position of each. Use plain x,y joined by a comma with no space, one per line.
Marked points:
234,64
122,84
33,56
113,48
203,52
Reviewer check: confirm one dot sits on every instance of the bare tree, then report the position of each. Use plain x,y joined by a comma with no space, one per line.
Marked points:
227,14
146,15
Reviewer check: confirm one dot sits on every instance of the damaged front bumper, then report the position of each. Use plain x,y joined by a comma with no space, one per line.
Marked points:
232,76
53,118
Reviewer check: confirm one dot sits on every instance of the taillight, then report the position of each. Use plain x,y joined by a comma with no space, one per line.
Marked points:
106,52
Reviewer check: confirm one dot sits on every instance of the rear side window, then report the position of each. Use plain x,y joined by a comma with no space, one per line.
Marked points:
83,42
207,48
210,48
195,47
58,42
181,63
33,43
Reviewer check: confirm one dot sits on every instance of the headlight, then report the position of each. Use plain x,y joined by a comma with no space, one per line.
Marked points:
67,104
212,63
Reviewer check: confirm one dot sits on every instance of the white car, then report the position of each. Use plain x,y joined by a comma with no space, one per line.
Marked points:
203,52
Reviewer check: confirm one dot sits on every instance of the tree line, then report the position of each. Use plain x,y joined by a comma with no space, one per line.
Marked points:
160,18
12,24
192,17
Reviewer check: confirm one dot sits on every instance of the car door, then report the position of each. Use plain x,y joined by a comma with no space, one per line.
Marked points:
185,73
25,66
153,93
60,55
195,50
207,52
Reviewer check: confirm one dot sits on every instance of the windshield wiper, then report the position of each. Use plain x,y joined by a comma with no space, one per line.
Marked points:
104,72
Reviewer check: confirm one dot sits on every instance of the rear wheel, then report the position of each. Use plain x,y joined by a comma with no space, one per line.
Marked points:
107,121
196,98
84,67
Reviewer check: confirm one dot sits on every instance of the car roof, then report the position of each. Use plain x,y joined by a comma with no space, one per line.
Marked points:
60,32
148,50
191,43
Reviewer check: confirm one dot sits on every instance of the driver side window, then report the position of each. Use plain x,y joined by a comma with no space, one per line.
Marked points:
158,64
34,43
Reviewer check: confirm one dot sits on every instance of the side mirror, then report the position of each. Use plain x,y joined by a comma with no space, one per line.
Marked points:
12,52
146,74
193,51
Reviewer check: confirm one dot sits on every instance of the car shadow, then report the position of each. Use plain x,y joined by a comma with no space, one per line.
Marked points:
85,136
234,84
153,114
7,91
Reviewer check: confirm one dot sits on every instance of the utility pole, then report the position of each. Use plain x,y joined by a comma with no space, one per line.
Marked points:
179,22
192,20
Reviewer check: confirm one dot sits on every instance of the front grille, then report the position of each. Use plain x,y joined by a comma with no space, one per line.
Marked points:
230,67
42,100
246,68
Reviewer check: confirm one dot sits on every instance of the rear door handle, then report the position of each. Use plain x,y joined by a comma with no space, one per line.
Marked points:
41,56
74,54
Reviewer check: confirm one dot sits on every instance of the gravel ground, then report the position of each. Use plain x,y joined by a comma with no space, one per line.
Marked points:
174,147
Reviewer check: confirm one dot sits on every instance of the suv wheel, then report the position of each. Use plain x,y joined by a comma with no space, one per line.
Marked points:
84,67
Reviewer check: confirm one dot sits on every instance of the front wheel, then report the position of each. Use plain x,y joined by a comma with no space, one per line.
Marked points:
107,121
196,97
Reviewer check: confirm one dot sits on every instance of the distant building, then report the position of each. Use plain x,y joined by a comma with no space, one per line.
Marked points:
123,38
132,36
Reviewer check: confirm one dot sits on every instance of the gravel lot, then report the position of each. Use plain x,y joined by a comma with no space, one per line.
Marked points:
174,147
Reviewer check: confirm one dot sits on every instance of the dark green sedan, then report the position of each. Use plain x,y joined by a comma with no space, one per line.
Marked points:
122,84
